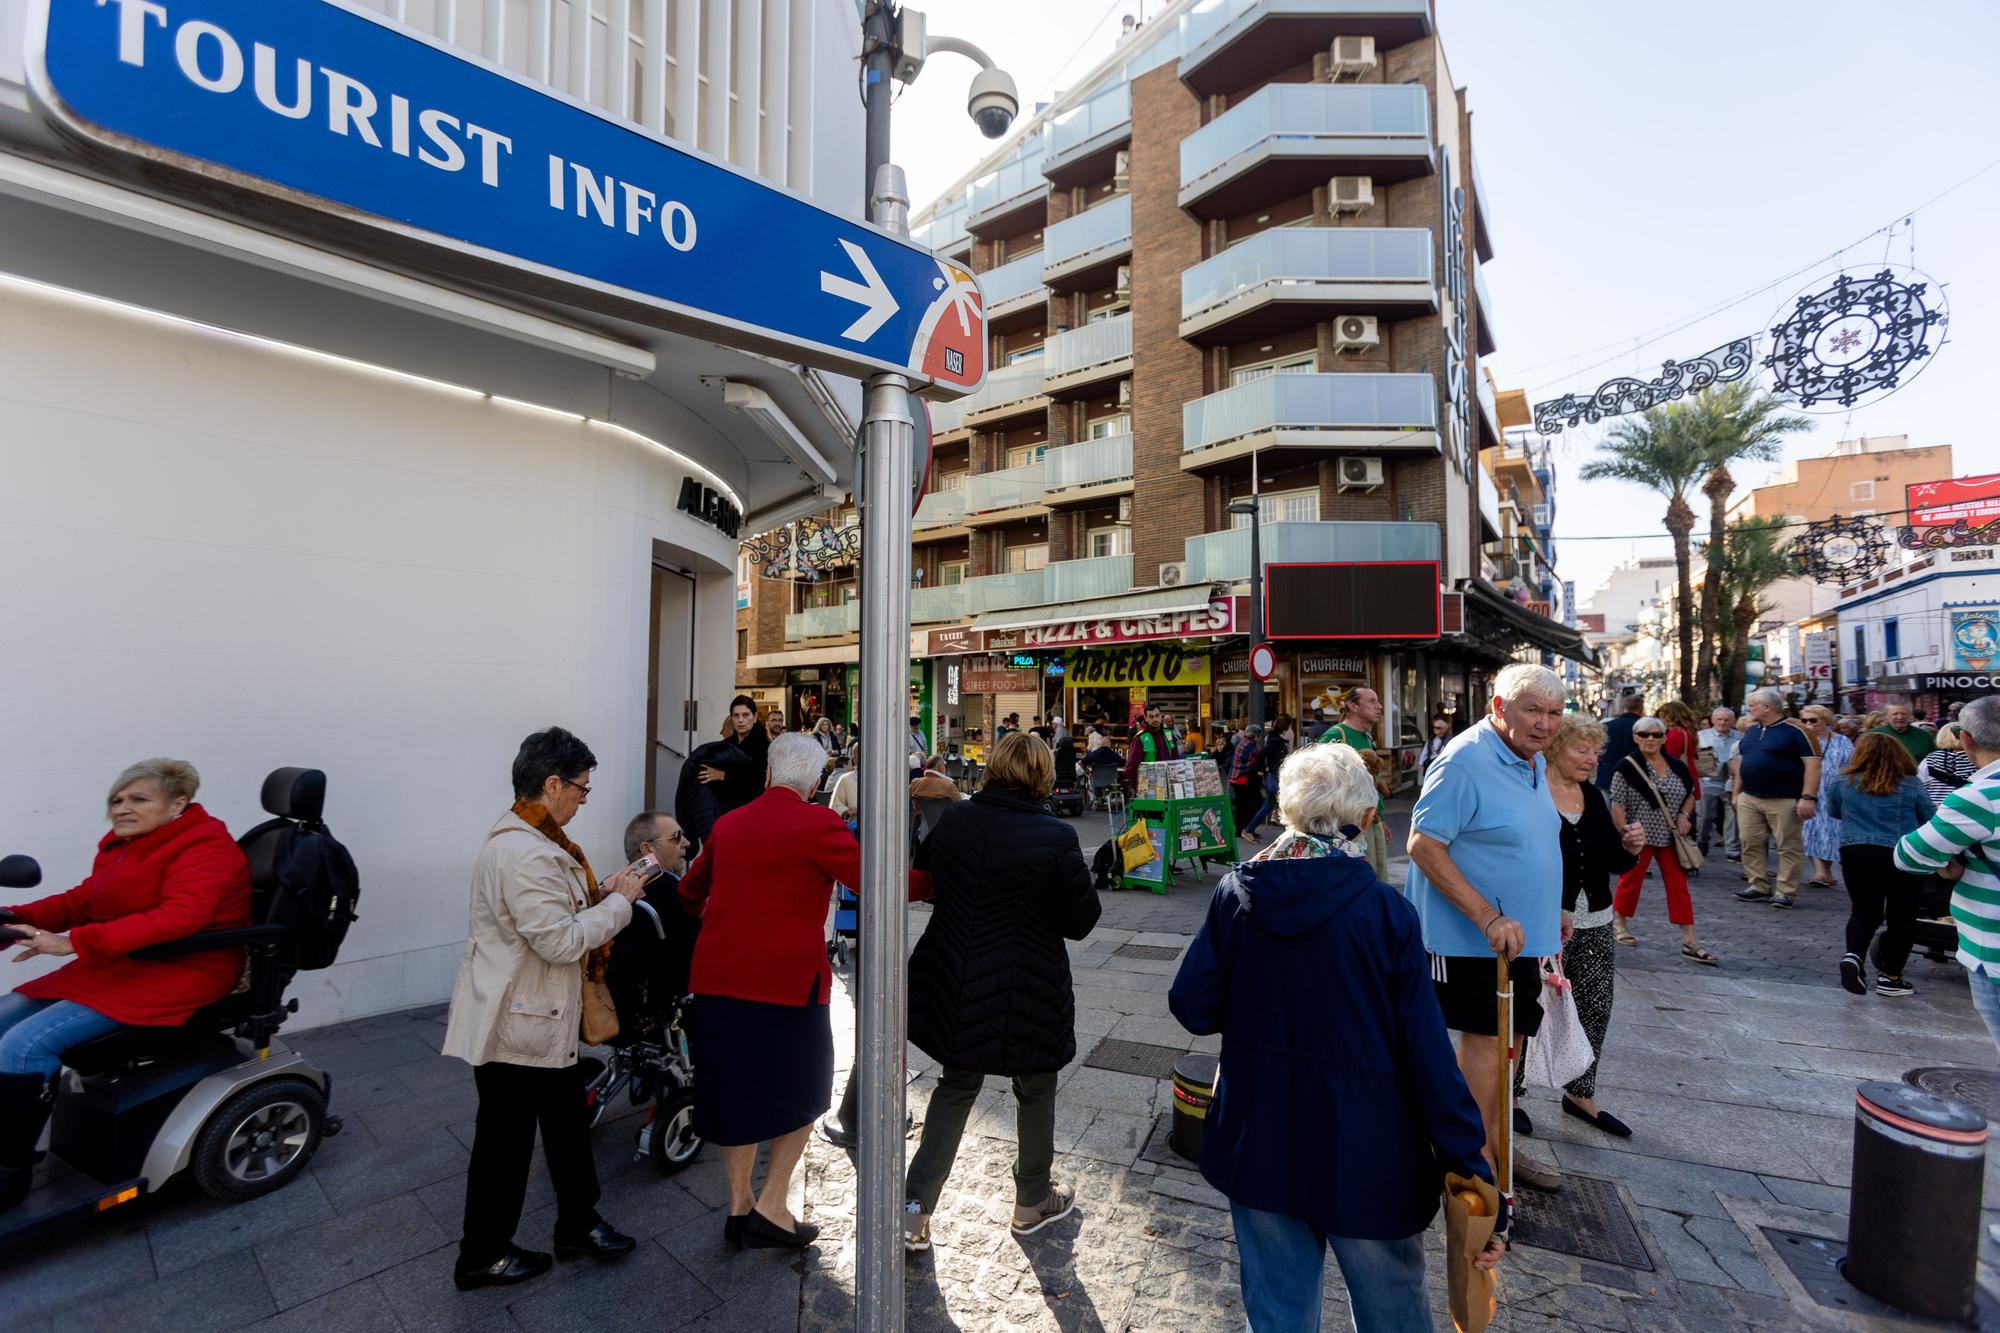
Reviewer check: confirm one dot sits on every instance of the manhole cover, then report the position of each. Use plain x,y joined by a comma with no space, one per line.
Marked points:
1587,1219
1815,1262
1135,1057
1977,1088
1159,953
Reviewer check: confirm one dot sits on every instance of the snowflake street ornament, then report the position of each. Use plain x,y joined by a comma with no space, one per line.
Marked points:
1856,339
1840,550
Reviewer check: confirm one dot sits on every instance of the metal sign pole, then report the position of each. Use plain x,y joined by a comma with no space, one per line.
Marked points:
888,446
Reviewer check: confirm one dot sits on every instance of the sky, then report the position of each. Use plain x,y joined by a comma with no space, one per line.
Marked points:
1645,164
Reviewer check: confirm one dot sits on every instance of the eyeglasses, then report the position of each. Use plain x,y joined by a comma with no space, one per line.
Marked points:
583,787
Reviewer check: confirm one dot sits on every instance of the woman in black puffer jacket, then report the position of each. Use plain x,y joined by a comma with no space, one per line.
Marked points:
989,981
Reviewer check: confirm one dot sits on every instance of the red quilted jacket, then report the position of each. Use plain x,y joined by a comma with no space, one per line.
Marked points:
185,876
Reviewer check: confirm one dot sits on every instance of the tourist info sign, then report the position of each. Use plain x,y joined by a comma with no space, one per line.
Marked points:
337,116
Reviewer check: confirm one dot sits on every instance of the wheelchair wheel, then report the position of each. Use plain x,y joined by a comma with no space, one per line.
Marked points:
675,1143
259,1139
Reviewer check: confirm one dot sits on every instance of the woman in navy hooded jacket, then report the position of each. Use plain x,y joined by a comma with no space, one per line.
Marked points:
1339,1103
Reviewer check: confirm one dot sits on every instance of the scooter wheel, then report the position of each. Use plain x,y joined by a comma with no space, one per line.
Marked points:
674,1143
258,1140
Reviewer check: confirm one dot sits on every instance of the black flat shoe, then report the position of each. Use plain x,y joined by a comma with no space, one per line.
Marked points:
517,1265
1604,1120
761,1233
732,1228
602,1241
1522,1125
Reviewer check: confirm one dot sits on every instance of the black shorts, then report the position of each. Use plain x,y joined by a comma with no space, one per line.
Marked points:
1466,994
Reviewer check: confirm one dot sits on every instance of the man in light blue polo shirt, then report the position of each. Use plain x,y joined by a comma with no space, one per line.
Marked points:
1486,879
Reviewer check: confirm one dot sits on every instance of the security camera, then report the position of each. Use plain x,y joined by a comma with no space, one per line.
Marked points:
993,102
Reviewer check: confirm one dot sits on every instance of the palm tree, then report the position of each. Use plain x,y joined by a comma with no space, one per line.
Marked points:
1752,556
1658,450
1733,423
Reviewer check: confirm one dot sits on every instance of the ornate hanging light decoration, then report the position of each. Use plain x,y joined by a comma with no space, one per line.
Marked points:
1677,379
1856,339
810,549
1840,550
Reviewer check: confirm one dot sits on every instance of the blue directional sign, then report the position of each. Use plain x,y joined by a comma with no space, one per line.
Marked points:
385,139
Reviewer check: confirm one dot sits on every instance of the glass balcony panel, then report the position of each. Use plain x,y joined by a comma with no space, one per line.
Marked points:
930,605
1103,113
1011,180
1089,463
1006,489
1288,255
945,230
1004,385
1012,280
940,509
1349,400
821,622
946,416
1106,227
1096,344
1004,592
1226,555
1315,111
1103,576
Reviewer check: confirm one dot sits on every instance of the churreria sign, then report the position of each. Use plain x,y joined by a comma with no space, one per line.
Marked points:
333,120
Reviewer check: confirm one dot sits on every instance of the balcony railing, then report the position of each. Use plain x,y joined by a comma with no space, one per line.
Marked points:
1004,592
946,602
945,231
940,509
823,622
1012,182
1290,256
946,416
1489,407
1205,32
1310,119
1105,230
1088,463
1013,280
1009,488
1319,402
1484,305
1005,386
1226,555
1102,117
1100,576
1106,341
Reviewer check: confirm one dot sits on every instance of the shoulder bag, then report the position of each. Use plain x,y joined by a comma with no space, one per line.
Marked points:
1560,1050
1686,851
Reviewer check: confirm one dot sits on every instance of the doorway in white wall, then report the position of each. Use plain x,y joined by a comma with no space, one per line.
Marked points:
670,707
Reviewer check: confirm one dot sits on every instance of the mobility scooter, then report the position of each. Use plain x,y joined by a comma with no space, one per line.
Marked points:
211,1098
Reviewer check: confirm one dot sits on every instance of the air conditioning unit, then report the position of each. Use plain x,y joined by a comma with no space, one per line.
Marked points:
1123,282
1173,573
1121,171
1124,393
1360,474
1352,57
1350,194
1356,335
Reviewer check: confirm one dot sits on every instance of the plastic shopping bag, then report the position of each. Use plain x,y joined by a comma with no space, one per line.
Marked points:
1559,1051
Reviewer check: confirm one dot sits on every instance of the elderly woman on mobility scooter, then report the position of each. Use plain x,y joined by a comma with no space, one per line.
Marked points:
166,870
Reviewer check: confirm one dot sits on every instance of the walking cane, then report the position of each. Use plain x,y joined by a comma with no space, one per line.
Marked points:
1503,1167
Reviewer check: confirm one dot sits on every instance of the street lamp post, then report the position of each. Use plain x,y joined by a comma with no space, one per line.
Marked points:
1254,507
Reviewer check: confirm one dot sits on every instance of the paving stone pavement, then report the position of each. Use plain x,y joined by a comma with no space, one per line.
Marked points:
1738,1081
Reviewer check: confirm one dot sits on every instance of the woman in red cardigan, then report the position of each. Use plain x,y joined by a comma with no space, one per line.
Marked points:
762,1037
166,870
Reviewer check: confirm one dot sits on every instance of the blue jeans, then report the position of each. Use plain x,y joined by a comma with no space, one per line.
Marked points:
35,1033
1264,812
1283,1263
1986,1000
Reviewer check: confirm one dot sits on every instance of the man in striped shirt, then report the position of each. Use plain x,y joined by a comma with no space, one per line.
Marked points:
1962,842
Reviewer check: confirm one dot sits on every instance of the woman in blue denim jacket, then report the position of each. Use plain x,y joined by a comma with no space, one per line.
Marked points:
1877,799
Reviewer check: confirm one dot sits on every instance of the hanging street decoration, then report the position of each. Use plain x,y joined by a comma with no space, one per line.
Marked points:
1840,550
1677,379
1949,536
1858,338
810,549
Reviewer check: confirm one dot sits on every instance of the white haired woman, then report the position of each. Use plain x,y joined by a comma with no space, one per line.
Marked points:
1313,1152
760,980
166,870
1948,767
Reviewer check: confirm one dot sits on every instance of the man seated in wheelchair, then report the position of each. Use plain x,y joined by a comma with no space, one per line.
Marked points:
167,869
650,958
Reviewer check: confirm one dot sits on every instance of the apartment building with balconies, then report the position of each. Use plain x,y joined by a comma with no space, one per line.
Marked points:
1240,256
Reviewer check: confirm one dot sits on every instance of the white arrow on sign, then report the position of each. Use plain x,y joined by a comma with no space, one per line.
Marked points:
871,293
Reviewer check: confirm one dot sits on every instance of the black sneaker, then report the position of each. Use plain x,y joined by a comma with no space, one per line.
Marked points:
1752,896
1780,900
1893,986
1850,975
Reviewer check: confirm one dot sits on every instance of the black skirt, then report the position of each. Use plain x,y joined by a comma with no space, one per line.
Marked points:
761,1070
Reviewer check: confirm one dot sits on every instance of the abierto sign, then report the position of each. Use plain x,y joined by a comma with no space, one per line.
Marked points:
331,120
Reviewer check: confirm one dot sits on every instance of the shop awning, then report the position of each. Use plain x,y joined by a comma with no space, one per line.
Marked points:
1537,629
834,656
1160,601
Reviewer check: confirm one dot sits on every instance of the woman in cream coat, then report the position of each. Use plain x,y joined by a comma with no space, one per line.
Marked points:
537,921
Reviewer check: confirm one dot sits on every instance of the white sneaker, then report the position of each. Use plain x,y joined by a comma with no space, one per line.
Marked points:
916,1228
1032,1217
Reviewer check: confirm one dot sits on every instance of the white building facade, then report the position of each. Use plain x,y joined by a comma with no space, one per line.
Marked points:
275,498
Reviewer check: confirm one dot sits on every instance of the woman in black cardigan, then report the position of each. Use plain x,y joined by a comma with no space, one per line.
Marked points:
1593,850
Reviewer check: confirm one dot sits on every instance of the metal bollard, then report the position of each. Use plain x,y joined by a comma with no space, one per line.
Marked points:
1913,1213
1194,1089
